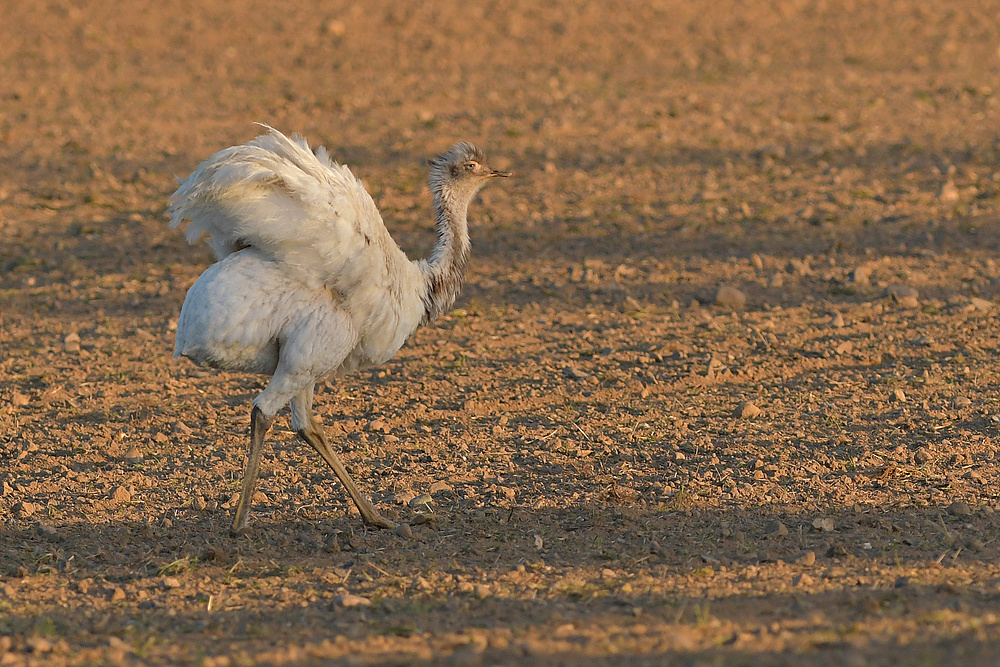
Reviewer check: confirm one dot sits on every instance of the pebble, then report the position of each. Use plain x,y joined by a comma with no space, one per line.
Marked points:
24,508
117,595
403,497
923,455
404,530
171,582
440,486
861,275
962,402
823,524
574,373
37,644
350,600
802,579
776,528
482,591
133,455
121,494
747,410
959,508
844,347
84,585
807,558
948,194
899,396
71,343
776,280
730,297
46,531
837,321
799,267
976,303
18,399
905,295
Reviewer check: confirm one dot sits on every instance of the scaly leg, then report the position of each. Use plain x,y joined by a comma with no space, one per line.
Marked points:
315,436
259,425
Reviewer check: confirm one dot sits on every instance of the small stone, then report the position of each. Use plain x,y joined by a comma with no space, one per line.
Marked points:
171,582
46,531
747,410
259,497
482,591
38,644
837,321
807,558
757,262
904,295
899,396
71,343
117,595
574,373
121,494
404,530
18,399
24,509
844,347
776,528
797,266
182,428
440,486
608,573
976,303
959,508
924,341
335,28
948,194
802,579
349,600
823,525
962,402
776,280
199,503
923,455
84,585
730,297
133,455
861,275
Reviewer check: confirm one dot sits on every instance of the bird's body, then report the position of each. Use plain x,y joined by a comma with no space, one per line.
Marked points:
309,283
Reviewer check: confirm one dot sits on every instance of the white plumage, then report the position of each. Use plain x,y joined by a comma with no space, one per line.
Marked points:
309,283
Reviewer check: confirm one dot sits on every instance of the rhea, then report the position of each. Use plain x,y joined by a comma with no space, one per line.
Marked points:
308,283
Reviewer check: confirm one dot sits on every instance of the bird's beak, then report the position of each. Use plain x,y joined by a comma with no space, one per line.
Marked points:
503,174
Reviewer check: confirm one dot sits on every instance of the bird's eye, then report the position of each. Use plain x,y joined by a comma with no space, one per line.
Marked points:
471,165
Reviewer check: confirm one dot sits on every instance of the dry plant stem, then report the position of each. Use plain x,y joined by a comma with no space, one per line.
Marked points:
315,436
259,426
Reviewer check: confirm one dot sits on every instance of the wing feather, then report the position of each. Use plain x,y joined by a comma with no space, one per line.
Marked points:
294,205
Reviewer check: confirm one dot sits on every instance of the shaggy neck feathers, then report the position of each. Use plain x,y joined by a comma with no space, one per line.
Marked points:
446,267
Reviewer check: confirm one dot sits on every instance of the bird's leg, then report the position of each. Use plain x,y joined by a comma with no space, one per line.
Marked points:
315,436
259,425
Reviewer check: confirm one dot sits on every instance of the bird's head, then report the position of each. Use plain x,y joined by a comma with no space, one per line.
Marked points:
461,171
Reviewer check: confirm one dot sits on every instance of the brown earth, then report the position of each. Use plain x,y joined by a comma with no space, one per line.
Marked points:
601,489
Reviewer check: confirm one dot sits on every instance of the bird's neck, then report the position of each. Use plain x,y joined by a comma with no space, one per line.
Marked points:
446,267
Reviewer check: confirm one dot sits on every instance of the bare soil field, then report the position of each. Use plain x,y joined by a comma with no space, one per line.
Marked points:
607,457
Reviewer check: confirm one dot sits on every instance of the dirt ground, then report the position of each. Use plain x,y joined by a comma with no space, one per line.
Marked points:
614,459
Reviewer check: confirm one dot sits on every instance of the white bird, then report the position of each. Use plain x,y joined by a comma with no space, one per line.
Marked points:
308,282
